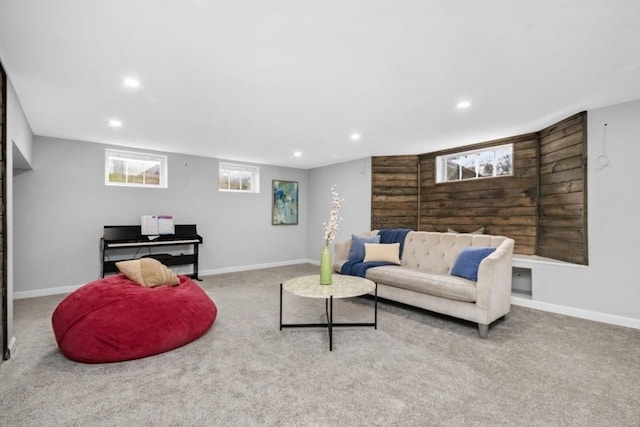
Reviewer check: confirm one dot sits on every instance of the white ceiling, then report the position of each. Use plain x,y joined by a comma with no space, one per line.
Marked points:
257,80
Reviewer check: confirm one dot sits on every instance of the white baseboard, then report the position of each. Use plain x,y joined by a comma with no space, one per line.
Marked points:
44,292
69,289
250,267
577,312
12,347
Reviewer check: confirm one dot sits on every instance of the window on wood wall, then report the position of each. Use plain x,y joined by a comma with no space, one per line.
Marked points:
483,163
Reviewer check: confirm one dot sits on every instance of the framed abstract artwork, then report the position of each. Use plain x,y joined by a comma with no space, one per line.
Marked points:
284,210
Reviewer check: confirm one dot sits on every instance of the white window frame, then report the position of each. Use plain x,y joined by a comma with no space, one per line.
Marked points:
137,157
235,168
442,161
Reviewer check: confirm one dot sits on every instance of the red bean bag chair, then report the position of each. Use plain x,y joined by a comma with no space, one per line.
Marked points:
115,319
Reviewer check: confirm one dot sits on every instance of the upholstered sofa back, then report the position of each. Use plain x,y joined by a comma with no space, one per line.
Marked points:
430,251
437,252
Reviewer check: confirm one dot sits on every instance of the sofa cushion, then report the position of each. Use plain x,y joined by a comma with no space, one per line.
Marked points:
469,260
413,279
356,253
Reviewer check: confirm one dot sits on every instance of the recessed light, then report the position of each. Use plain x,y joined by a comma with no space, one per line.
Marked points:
115,123
297,154
463,104
131,82
355,136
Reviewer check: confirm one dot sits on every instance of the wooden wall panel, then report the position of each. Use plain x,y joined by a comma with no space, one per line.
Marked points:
543,206
503,205
562,198
394,192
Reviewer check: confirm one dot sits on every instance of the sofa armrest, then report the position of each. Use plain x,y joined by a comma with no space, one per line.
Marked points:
341,250
340,254
493,288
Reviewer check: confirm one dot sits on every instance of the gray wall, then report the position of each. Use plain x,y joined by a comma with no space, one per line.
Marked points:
609,283
19,146
62,205
19,134
613,211
353,183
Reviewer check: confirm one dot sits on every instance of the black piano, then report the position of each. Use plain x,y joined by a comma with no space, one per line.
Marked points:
130,236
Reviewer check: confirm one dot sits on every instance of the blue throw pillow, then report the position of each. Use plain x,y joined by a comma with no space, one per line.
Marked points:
356,253
469,260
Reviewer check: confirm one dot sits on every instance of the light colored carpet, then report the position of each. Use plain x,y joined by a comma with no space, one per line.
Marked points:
416,369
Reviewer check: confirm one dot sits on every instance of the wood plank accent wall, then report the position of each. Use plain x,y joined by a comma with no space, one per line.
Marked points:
563,191
503,206
543,207
394,192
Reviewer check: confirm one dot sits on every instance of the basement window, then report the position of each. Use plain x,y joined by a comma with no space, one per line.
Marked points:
484,163
238,178
135,169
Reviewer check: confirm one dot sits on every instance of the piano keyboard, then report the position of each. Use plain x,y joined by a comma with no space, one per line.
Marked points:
153,243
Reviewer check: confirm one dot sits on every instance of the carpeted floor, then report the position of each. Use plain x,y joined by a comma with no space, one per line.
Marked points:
416,369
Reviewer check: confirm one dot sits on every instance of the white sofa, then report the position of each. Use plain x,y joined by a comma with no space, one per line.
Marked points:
423,277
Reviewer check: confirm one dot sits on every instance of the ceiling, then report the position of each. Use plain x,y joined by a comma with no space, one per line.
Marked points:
256,81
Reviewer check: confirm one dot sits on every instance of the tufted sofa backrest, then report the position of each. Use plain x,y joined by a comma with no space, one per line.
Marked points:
437,252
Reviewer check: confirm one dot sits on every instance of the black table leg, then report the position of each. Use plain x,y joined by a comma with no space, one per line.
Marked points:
331,323
375,308
280,306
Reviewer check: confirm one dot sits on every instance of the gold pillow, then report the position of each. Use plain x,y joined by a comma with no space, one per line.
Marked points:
386,252
147,272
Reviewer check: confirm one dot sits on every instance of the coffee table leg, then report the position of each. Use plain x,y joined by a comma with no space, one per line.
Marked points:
375,308
331,323
280,306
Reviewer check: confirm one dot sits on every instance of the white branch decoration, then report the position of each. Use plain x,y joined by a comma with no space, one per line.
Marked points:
331,227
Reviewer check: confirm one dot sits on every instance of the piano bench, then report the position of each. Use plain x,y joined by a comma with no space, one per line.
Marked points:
115,319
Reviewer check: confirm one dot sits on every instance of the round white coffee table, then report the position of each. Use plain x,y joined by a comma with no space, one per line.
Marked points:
341,287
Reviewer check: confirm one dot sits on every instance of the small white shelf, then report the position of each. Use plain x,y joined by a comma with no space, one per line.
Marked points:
528,261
